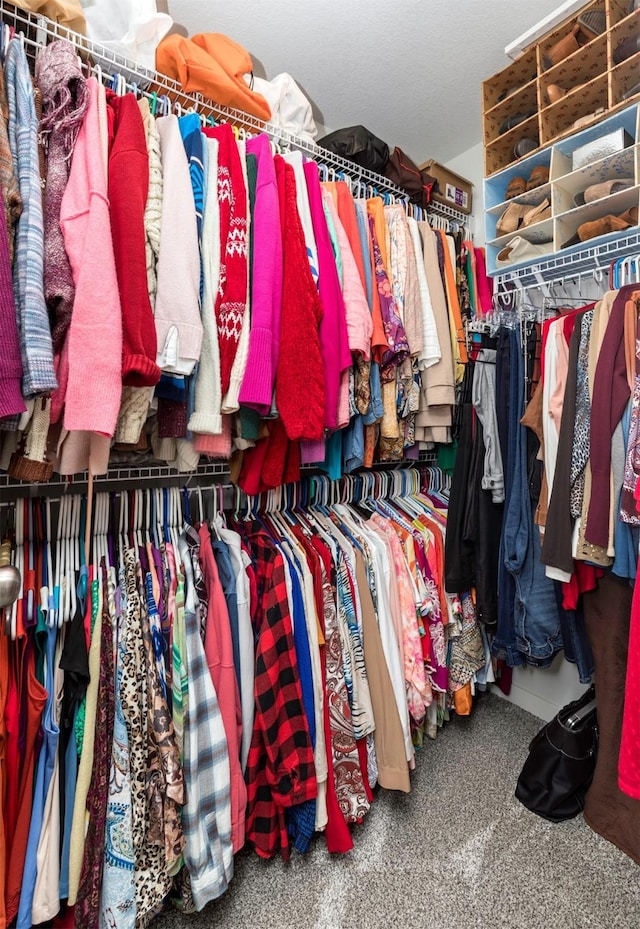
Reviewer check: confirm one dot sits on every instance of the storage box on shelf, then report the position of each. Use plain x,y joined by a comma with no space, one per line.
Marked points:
589,68
609,151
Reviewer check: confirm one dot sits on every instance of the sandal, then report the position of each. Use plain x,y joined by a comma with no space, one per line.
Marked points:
512,218
538,213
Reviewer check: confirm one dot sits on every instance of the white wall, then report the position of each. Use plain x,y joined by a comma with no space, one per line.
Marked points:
470,165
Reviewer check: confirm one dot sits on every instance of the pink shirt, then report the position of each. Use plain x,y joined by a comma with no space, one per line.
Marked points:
218,648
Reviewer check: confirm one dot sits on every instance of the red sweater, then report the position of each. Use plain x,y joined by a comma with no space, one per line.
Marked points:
231,298
128,189
300,392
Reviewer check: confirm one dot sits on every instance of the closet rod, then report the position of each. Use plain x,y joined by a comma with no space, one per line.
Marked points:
131,477
39,30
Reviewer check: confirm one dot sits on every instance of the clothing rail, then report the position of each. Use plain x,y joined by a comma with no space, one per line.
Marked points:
37,31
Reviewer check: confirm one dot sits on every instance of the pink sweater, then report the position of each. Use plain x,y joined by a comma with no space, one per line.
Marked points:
94,341
266,294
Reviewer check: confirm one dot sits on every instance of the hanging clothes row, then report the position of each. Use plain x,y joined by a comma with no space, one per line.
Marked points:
203,682
182,290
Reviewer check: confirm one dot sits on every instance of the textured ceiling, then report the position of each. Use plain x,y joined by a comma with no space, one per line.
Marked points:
409,70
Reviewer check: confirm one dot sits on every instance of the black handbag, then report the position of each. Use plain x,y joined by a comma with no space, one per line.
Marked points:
562,759
358,144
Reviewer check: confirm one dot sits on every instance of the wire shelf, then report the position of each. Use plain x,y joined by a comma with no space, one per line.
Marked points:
569,263
36,30
134,477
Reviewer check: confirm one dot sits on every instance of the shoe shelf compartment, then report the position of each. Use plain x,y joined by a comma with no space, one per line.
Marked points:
625,81
589,102
564,184
567,224
595,84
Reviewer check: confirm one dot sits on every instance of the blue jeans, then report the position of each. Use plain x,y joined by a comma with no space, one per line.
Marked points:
528,623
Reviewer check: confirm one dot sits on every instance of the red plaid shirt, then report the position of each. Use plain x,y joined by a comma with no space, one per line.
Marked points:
280,771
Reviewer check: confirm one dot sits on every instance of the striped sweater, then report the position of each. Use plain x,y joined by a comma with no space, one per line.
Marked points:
36,348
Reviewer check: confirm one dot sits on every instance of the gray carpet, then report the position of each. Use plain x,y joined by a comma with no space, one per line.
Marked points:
458,852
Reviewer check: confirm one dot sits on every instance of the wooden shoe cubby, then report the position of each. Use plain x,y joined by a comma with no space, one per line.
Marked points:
595,86
558,232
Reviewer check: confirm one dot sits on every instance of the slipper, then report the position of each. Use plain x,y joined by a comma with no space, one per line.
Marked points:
568,44
512,121
511,219
603,189
538,213
607,224
555,92
538,177
515,187
525,147
519,249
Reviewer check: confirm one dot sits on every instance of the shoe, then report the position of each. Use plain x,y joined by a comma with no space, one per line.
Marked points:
606,224
538,177
585,120
537,214
515,187
568,44
525,147
626,49
512,121
511,219
555,92
519,249
603,189
593,23
510,92
631,92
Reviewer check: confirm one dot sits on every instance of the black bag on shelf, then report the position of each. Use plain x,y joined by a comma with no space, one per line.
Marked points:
403,172
562,759
358,144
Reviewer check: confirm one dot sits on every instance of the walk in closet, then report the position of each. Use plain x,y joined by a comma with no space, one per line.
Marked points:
305,470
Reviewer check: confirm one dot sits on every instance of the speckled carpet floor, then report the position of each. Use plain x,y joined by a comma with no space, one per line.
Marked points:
459,852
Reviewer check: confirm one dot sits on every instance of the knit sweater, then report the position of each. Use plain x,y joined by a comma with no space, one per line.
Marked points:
231,401
64,103
266,276
153,209
38,375
206,417
333,330
231,298
300,368
178,323
95,334
11,402
8,180
128,189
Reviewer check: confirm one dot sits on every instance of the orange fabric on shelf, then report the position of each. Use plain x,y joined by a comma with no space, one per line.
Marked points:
213,65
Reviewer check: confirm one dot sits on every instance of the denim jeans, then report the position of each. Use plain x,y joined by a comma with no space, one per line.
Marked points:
528,622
